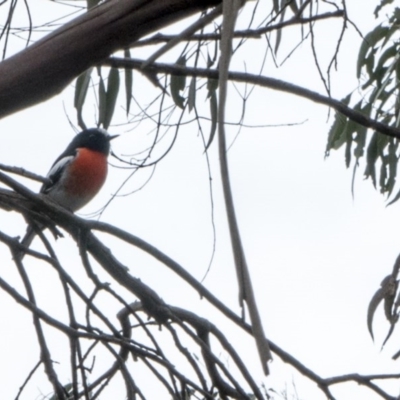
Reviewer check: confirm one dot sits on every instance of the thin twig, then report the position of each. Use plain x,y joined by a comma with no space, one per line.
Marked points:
264,81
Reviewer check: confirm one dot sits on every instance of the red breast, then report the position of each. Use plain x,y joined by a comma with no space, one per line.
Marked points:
87,173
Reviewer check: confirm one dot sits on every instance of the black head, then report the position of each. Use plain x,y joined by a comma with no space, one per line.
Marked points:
94,139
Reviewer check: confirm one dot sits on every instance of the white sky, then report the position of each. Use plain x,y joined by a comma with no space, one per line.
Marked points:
316,254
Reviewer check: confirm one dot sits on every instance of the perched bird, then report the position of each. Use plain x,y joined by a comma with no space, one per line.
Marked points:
78,173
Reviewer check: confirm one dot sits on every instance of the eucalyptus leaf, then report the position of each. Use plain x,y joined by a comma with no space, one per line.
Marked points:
111,96
372,156
102,101
368,44
81,88
178,84
128,82
214,117
92,3
192,94
335,134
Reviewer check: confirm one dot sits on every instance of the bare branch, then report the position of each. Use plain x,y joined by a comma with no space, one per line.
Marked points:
162,312
264,81
248,33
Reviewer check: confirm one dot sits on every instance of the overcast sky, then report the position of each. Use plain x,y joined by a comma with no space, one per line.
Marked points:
316,254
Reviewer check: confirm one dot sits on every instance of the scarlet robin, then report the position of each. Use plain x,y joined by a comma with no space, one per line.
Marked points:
78,174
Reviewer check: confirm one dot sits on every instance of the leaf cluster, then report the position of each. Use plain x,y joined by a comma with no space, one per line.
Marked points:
378,70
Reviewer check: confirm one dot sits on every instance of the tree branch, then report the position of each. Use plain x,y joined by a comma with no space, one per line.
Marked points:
247,33
48,66
261,81
76,226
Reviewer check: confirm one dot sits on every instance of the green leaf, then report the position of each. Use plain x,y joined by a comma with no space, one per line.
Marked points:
92,3
279,30
392,29
81,88
214,117
341,135
192,94
380,294
382,142
335,134
102,100
397,68
370,62
395,198
392,166
349,138
178,84
212,86
349,143
371,158
128,82
361,131
360,140
380,6
111,96
293,6
275,6
368,45
389,53
383,175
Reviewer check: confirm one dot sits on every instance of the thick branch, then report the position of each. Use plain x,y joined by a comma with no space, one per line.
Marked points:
48,66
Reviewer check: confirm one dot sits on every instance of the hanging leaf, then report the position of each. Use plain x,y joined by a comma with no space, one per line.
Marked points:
379,62
392,166
102,100
81,88
178,84
212,86
349,143
275,6
192,94
368,44
392,29
383,175
371,158
361,131
369,62
279,31
386,292
293,6
111,96
214,117
349,136
336,135
395,198
380,6
92,3
128,82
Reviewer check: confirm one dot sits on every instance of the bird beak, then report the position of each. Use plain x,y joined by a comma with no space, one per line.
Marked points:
111,137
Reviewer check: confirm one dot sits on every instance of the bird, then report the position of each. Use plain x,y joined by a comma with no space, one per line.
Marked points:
77,175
